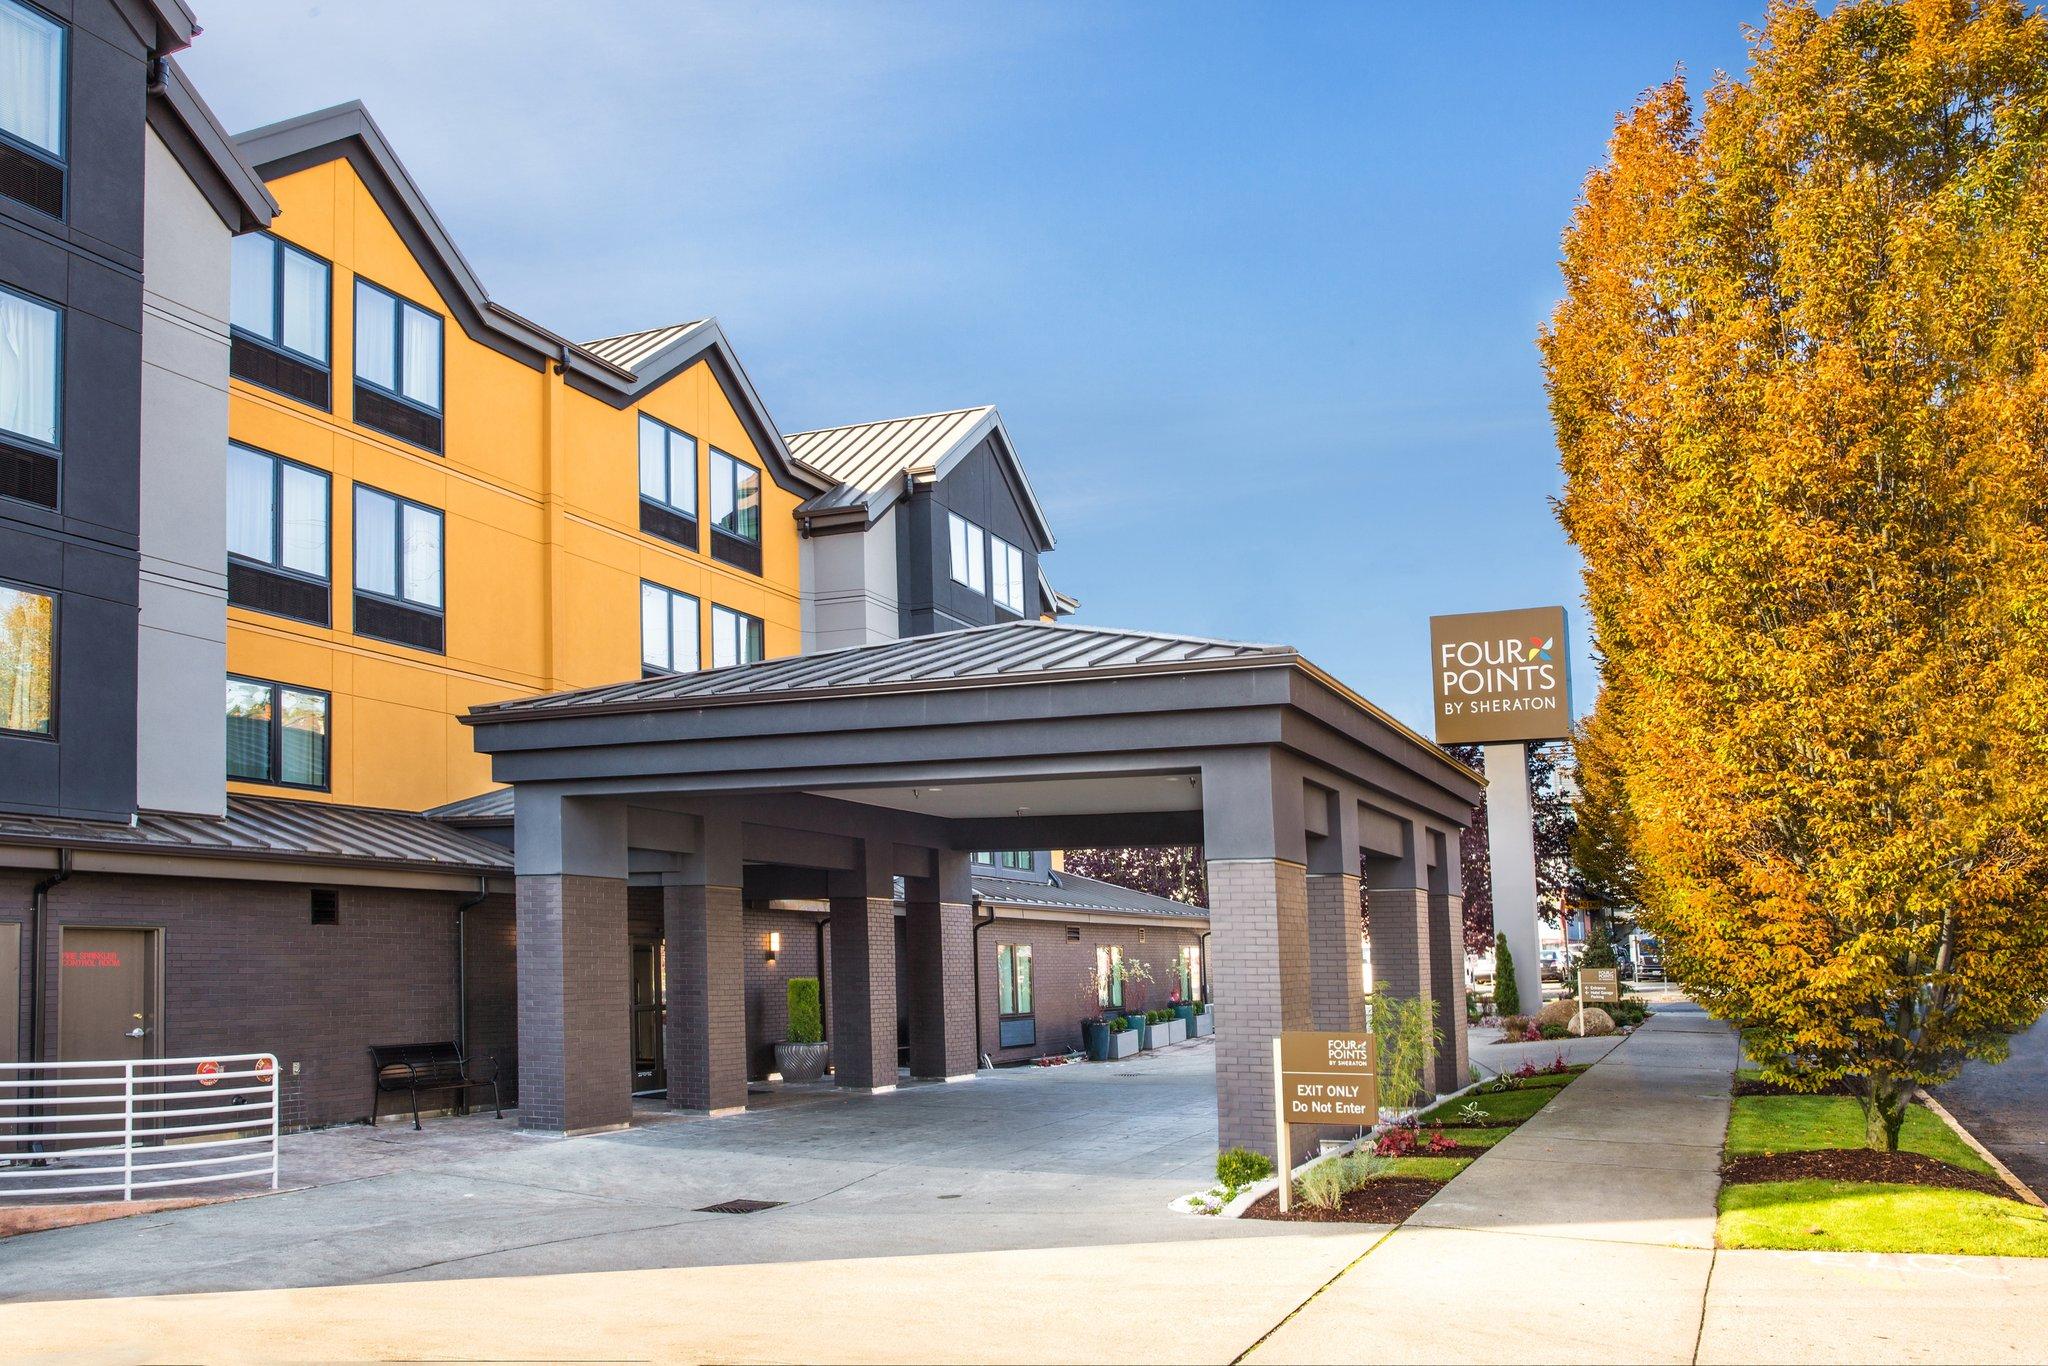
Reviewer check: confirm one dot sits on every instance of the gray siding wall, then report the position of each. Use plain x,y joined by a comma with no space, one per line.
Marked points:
90,265
979,490
849,586
182,650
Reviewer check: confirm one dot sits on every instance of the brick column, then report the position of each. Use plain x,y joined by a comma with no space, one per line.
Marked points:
863,948
575,1055
939,944
1397,914
1447,988
706,1033
1258,918
1336,976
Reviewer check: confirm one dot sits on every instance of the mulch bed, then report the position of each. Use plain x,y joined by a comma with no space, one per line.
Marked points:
1859,1164
1750,1086
1383,1200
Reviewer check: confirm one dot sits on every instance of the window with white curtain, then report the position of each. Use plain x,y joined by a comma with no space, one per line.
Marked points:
32,78
277,512
31,333
735,638
969,552
1006,573
278,294
735,497
668,630
398,549
398,346
668,466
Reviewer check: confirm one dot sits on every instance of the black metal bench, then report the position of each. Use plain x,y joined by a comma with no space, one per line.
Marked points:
417,1067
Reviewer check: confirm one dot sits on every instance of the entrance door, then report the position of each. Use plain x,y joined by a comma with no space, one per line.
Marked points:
107,995
650,1014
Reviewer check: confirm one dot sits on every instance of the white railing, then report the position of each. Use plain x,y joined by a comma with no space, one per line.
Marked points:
96,1128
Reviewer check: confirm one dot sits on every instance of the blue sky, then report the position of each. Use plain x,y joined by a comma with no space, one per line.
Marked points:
1255,288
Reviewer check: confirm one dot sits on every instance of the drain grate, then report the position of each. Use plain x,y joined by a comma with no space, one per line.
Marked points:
739,1207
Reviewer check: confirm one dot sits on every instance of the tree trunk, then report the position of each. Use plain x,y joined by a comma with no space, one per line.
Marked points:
1884,1102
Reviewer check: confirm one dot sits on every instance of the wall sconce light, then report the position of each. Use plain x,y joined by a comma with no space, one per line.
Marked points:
774,944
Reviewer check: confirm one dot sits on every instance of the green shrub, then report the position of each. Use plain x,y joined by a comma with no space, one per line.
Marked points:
1554,1031
1325,1185
1507,997
806,1016
1408,1038
1119,1025
1239,1167
1627,1012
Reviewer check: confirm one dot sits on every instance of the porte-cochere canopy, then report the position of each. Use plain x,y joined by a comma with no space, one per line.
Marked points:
834,774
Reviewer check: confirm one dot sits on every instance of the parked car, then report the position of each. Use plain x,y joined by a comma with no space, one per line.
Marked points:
1553,966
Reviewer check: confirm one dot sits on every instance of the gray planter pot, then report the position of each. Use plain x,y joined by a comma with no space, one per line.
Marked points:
1204,1024
1124,1045
1177,1031
802,1061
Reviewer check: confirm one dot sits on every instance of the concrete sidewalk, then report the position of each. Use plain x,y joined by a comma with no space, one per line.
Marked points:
1588,1235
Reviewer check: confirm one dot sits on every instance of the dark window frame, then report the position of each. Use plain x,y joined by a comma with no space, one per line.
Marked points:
278,247
398,597
759,623
59,160
36,443
56,661
1013,1013
278,462
439,410
277,689
668,430
650,671
760,520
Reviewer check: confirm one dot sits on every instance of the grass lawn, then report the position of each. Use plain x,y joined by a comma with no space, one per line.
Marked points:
1478,1138
1854,1216
1815,1214
1430,1168
1792,1124
1499,1105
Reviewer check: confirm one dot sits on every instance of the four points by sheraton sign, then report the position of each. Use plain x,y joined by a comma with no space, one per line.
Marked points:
1500,677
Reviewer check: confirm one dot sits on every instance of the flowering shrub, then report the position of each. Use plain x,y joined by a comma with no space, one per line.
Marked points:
1398,1141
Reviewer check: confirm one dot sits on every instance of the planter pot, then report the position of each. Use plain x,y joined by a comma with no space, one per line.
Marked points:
802,1061
1203,1024
1095,1035
1186,1013
1137,1027
1177,1030
1124,1045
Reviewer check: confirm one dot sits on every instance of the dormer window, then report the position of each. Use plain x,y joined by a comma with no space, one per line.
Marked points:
969,556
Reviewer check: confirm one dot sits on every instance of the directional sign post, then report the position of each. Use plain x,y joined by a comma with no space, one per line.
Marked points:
1597,986
1321,1078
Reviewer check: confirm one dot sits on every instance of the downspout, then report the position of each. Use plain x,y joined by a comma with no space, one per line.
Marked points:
824,1014
462,907
1205,969
39,902
979,926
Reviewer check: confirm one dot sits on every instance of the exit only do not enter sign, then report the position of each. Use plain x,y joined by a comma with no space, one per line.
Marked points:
1329,1078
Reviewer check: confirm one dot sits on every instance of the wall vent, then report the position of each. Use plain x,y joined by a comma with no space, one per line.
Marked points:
326,906
1073,934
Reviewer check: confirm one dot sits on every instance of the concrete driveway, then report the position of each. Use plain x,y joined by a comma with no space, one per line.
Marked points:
1071,1157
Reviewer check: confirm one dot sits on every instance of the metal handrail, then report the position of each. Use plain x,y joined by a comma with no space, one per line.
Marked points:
161,1110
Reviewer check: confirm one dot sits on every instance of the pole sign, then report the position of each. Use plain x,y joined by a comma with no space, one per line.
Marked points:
1500,678
1321,1078
1597,986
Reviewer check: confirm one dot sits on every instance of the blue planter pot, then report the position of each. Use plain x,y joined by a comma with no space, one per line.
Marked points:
1095,1036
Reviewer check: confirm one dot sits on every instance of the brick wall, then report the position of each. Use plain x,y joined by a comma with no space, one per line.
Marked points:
768,983
938,959
1061,972
864,967
1337,981
573,1003
245,969
492,929
1259,909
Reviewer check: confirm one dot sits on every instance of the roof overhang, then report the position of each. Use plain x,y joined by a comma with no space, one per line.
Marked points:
206,151
848,502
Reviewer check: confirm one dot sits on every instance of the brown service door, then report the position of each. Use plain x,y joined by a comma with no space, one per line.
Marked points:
106,995
650,1012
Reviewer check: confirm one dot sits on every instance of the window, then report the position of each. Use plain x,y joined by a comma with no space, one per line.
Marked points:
1018,860
31,335
1109,975
1006,574
668,466
735,637
398,347
276,734
1189,971
668,630
970,563
279,295
398,549
277,512
1013,979
28,661
32,64
735,497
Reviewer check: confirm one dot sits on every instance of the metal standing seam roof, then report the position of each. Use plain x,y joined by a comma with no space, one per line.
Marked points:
1026,651
277,828
629,349
1072,892
866,457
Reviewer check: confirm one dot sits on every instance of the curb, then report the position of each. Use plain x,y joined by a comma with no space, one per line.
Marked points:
2020,1188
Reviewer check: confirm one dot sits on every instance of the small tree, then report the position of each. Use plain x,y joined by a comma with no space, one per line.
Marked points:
1405,1027
806,1015
1507,997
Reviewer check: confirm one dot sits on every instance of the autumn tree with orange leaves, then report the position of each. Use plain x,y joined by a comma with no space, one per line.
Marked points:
1799,386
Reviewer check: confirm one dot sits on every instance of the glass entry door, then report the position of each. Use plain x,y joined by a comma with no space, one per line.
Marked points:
650,1013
